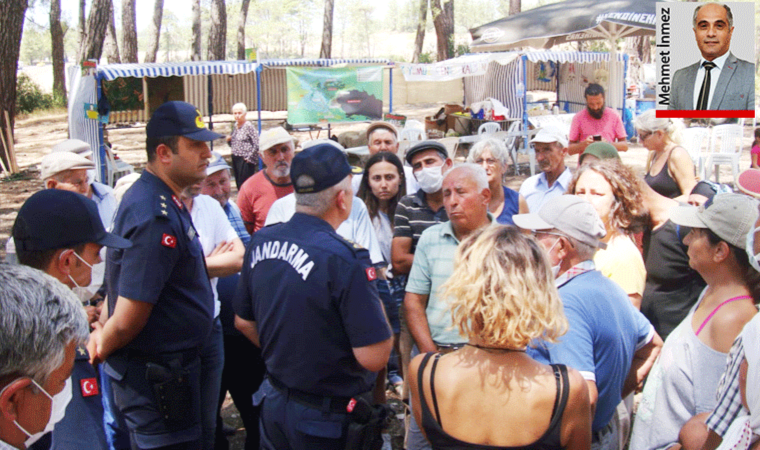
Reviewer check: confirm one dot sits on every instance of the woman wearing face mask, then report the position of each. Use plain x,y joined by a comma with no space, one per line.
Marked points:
490,394
670,171
684,380
492,154
382,186
613,190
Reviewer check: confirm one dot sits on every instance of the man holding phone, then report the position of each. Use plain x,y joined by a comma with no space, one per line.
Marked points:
596,123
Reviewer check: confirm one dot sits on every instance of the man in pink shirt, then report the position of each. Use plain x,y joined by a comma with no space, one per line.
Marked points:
596,121
258,192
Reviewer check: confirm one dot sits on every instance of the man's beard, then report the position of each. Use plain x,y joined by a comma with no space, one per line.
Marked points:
281,170
596,113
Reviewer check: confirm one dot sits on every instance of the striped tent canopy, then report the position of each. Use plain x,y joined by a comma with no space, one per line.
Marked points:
153,70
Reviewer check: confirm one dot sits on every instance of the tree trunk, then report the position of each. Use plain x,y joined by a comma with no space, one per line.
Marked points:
82,20
217,35
443,20
111,44
56,37
155,32
420,39
97,24
241,29
128,32
12,24
327,28
196,44
515,6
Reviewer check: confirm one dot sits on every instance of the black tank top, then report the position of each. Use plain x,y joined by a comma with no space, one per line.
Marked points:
663,183
440,440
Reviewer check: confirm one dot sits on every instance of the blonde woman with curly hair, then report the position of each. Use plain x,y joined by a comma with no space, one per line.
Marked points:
670,170
614,191
490,394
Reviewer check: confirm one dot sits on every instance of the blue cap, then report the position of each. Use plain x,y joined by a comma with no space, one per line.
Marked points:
179,119
216,164
324,163
53,219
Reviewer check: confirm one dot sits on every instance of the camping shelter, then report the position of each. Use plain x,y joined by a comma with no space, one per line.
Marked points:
210,85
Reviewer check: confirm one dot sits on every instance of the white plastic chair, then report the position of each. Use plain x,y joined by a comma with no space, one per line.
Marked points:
412,134
489,128
725,148
693,138
116,168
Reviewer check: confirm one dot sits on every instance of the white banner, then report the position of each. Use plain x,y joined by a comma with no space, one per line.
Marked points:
452,69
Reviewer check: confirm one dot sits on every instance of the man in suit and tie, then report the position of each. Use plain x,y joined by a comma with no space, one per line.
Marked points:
720,80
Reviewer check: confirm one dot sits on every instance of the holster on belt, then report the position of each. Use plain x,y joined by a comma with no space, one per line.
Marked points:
172,390
366,423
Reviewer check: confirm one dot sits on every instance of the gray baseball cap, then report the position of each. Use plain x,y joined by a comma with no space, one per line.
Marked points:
569,214
730,216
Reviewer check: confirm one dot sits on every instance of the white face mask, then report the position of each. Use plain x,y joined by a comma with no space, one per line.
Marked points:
430,179
81,291
59,402
753,259
555,269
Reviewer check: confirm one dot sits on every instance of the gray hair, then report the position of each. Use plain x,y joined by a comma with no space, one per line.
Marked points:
40,318
318,203
240,106
582,250
474,172
497,148
729,14
648,121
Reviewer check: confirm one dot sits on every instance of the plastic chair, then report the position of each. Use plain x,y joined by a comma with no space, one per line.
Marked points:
725,148
511,142
693,139
489,128
412,134
115,167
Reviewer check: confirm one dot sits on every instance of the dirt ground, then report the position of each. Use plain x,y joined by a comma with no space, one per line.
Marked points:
35,136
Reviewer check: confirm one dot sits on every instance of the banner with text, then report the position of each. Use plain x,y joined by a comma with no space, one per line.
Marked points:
334,95
452,69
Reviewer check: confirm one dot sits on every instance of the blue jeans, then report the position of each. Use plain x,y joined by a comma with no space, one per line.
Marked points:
212,363
415,440
287,424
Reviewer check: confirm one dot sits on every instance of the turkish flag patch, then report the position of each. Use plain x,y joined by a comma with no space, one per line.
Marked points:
89,387
167,240
371,273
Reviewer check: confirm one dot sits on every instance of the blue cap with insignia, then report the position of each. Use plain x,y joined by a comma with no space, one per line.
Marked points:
53,219
325,166
179,119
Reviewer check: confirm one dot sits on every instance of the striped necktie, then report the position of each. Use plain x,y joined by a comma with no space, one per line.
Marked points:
704,92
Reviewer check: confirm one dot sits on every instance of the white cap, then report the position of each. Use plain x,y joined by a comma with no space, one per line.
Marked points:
550,134
77,146
55,163
273,136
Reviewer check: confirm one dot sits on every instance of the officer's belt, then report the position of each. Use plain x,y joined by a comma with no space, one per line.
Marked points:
185,356
322,403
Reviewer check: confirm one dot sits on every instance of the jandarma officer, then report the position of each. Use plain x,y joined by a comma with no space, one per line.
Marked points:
159,293
308,298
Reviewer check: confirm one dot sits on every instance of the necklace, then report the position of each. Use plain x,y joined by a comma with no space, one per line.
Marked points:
499,349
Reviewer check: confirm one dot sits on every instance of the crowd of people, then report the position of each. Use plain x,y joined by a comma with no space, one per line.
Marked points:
505,319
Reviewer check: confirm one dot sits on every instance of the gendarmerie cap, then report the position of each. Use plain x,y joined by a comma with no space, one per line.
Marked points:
324,163
54,218
179,119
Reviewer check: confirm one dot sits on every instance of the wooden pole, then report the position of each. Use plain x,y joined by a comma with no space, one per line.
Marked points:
5,152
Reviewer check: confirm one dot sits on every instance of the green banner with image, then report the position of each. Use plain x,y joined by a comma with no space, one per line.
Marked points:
334,95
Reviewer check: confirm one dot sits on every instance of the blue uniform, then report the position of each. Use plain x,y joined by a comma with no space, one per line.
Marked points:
313,297
166,268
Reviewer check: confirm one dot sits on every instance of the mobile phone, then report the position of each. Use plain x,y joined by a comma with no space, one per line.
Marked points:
597,137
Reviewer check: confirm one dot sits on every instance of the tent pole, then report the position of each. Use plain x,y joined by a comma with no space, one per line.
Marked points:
210,106
101,144
390,92
259,70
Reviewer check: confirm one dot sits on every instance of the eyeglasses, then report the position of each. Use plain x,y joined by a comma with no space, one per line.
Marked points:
535,233
645,135
490,162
